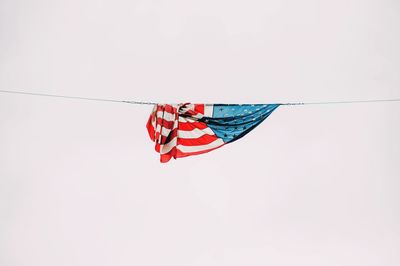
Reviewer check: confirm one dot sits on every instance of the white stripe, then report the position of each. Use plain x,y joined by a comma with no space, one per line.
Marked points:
195,133
158,131
186,120
165,131
166,116
190,107
154,118
158,128
154,109
186,149
198,116
208,110
191,119
168,147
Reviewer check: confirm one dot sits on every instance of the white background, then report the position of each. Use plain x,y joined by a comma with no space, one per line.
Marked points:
80,183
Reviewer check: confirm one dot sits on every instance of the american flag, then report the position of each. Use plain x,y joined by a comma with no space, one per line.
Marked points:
181,130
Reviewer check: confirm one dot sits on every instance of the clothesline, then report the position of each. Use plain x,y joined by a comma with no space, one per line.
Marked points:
190,129
154,103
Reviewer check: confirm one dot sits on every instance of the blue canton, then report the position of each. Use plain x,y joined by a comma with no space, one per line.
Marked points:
230,122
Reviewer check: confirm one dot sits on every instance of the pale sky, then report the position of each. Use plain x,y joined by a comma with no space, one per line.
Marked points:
81,184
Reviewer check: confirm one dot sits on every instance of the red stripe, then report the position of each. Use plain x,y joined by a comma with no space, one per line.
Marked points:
199,108
171,135
170,108
150,128
180,154
165,123
166,108
160,108
203,140
164,158
188,126
157,147
176,153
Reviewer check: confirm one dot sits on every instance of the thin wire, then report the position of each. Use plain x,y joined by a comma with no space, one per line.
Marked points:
77,97
154,103
344,102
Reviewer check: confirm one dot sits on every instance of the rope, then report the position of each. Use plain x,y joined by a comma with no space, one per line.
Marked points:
154,103
77,97
344,102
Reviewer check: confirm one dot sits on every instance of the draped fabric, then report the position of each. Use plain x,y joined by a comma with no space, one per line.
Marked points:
181,130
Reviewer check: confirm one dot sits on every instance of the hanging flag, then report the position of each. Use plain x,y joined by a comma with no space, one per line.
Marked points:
181,130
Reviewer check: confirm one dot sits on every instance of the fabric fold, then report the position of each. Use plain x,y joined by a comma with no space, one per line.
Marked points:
181,130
